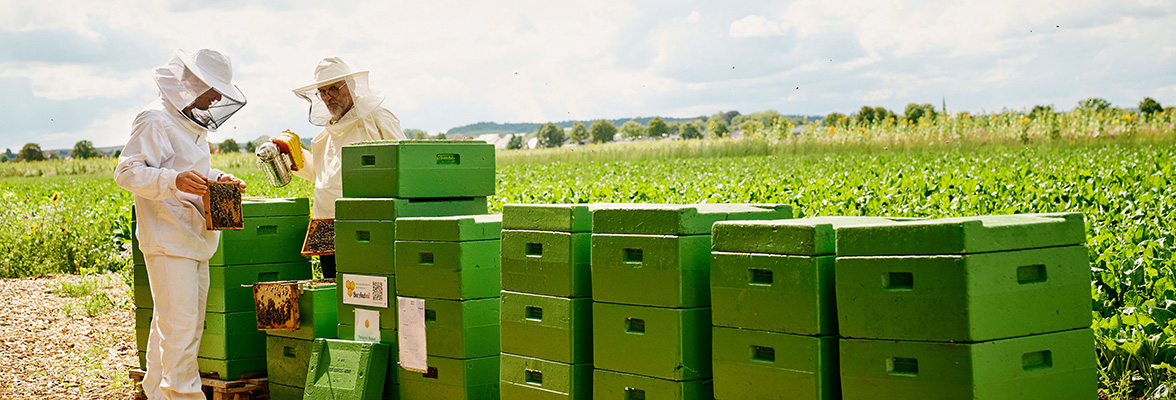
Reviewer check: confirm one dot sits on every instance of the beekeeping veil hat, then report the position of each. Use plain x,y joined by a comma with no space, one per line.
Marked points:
187,76
331,70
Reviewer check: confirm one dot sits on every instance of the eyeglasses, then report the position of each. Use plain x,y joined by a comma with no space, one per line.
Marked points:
330,92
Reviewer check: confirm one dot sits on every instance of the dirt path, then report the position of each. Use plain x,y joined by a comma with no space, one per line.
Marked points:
51,349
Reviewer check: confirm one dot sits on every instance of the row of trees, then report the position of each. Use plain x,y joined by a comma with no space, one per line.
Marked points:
85,149
925,112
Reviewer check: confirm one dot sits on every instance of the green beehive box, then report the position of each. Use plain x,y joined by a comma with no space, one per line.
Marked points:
678,219
231,369
767,365
418,169
251,209
287,360
458,228
365,247
343,369
963,298
547,262
551,328
778,293
623,386
388,337
802,237
225,335
318,313
452,379
462,329
346,315
661,271
264,240
1057,365
526,378
566,218
226,290
666,343
282,392
231,335
963,235
393,208
448,270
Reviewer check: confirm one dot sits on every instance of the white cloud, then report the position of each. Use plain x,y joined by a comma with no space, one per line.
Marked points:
754,26
694,16
71,81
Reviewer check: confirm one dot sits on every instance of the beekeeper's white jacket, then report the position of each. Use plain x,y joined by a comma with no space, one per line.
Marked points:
324,165
164,143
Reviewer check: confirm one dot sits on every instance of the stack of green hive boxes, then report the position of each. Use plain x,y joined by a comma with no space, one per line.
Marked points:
288,352
773,307
267,249
651,320
453,264
990,307
546,302
385,181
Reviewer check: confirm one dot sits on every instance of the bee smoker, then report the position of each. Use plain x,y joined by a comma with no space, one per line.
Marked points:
278,159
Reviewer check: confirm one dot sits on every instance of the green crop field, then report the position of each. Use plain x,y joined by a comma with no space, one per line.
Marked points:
1125,186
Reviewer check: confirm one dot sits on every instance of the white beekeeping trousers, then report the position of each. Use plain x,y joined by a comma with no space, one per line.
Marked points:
179,288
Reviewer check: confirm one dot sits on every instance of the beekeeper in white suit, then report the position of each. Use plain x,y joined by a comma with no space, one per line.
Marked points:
165,164
349,111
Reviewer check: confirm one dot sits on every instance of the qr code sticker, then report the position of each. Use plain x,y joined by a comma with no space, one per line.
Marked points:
377,291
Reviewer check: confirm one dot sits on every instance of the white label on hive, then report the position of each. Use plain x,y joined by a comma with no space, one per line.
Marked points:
365,290
367,325
411,335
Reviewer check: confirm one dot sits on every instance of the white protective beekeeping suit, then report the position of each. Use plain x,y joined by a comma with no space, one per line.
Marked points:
165,142
364,122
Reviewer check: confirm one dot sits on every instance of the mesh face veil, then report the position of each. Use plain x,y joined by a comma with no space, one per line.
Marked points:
335,78
199,86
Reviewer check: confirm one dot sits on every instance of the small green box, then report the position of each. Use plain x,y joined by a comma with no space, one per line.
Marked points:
546,262
551,328
230,369
418,169
275,207
963,298
452,379
666,343
365,247
660,271
462,329
526,378
224,334
963,235
346,369
1058,365
265,240
767,365
388,337
282,392
226,290
346,315
678,219
622,386
393,208
287,360
548,217
318,313
457,228
802,237
448,270
777,293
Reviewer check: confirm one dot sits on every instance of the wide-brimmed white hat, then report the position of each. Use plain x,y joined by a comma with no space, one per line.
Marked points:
214,68
331,70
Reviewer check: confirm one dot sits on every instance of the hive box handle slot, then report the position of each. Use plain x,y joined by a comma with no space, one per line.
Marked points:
635,326
430,315
902,366
763,354
633,256
1031,274
426,258
267,230
288,351
1037,360
762,277
448,159
431,374
634,394
534,313
898,281
534,377
534,250
367,160
363,236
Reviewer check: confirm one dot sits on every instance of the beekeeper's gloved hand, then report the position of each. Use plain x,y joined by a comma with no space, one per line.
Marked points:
192,182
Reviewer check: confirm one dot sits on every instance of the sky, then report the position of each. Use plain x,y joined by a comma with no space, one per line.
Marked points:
74,70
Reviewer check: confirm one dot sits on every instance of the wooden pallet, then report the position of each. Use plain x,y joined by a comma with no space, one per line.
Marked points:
253,386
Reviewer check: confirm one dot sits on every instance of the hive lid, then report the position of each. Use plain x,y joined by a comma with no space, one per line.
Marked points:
977,234
460,228
806,236
549,217
679,219
252,207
